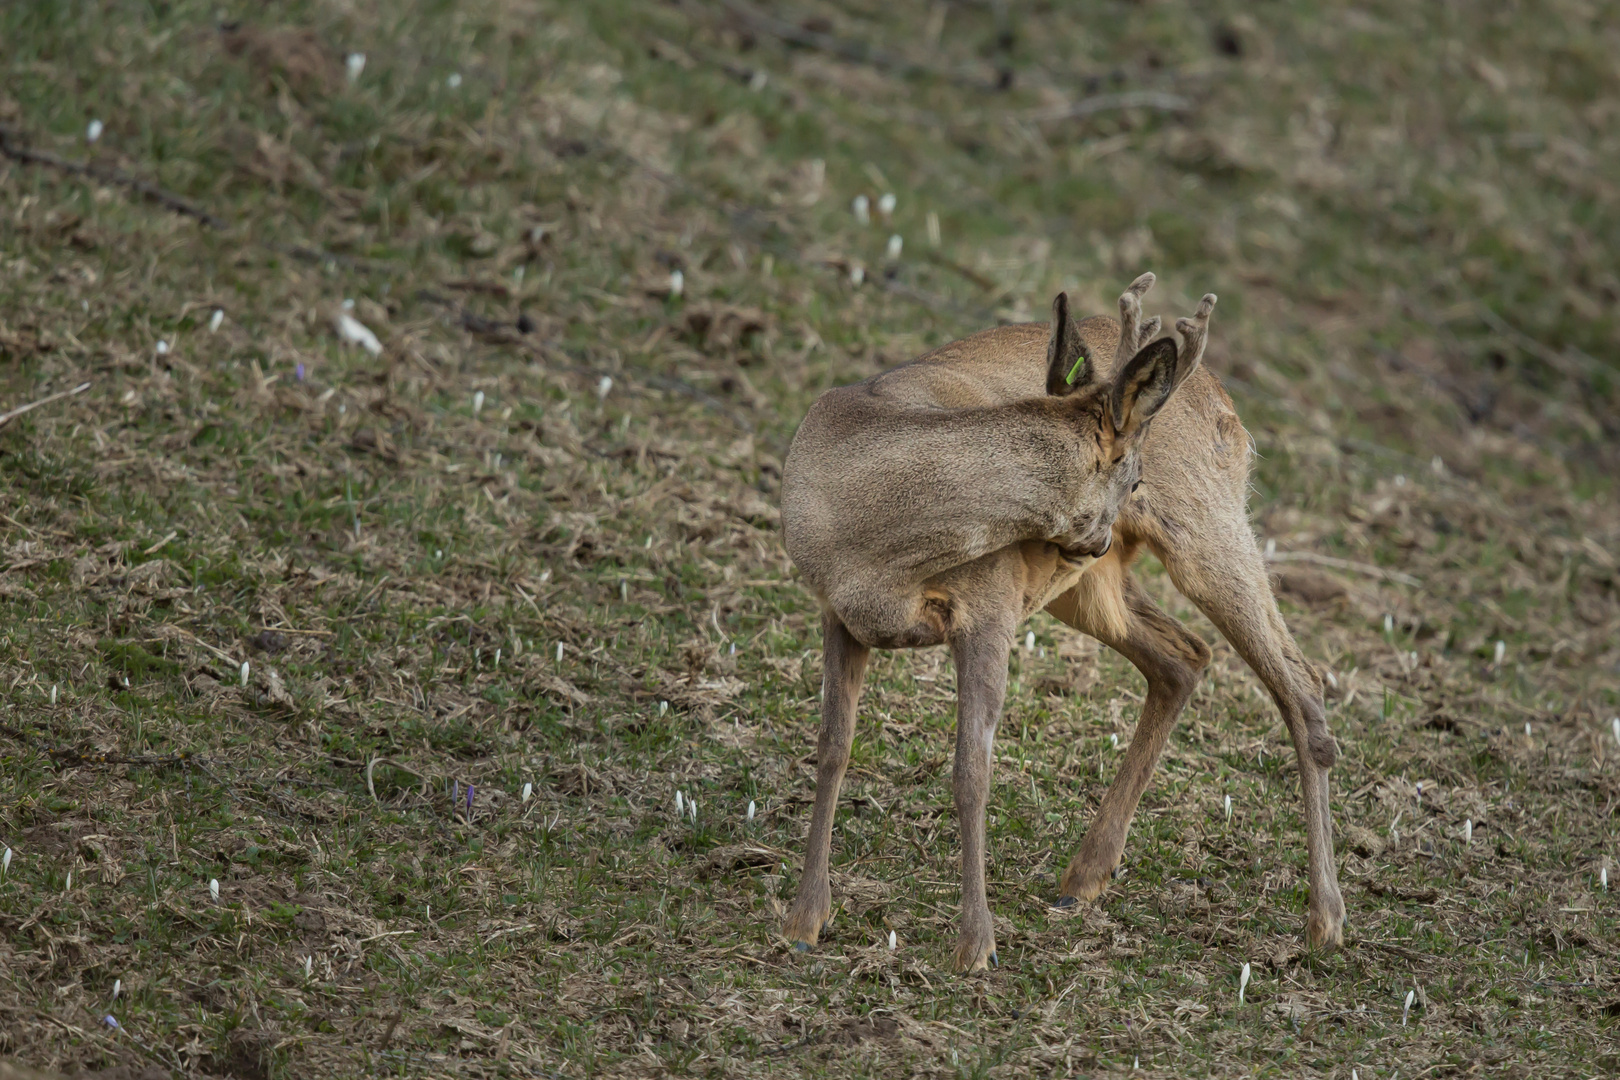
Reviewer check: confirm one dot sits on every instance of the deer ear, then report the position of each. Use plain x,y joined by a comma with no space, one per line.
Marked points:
1068,361
1143,386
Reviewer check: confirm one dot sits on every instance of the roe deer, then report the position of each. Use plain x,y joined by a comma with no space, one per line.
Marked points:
948,499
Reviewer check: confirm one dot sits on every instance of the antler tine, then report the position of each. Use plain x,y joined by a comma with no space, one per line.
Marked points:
1194,331
1149,331
1130,317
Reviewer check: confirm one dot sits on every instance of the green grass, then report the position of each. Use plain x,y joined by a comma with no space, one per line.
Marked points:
1407,213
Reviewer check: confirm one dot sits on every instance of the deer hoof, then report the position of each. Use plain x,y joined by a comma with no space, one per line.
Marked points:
1324,933
803,930
1064,903
975,954
1086,883
995,960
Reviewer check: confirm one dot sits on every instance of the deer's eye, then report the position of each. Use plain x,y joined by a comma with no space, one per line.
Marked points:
1136,485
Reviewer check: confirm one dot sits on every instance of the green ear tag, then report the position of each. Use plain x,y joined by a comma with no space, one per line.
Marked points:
1074,372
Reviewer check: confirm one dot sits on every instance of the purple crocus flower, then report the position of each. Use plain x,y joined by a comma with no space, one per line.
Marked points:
469,798
299,372
109,1020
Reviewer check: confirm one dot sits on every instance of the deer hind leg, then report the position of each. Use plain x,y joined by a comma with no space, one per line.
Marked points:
843,669
1171,657
980,655
1226,577
1130,319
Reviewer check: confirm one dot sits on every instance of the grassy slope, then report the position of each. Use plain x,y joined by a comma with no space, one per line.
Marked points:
1408,212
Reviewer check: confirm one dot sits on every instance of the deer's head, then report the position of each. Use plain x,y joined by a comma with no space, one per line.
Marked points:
1113,414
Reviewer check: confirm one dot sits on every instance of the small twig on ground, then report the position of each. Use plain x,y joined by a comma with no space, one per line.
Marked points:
1572,363
107,175
948,263
77,756
9,416
1344,564
9,147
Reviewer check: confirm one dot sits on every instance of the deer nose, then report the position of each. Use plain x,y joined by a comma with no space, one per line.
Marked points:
1108,542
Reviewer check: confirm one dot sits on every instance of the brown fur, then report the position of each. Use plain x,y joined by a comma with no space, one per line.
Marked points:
947,500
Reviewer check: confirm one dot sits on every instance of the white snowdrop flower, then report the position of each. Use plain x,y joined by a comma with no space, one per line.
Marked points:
1243,983
677,283
893,941
453,80
1527,729
857,275
118,988
1113,741
1354,1075
559,652
244,672
863,209
1136,1063
5,863
1501,651
354,64
478,402
438,553
1603,878
733,648
624,586
497,658
213,889
528,792
1615,723
896,243
216,320
663,707
1389,624
680,804
750,809
1029,641
1229,808
933,229
162,347
1468,830
603,385
355,332
1411,996
886,205
309,966
93,131
68,887
53,693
